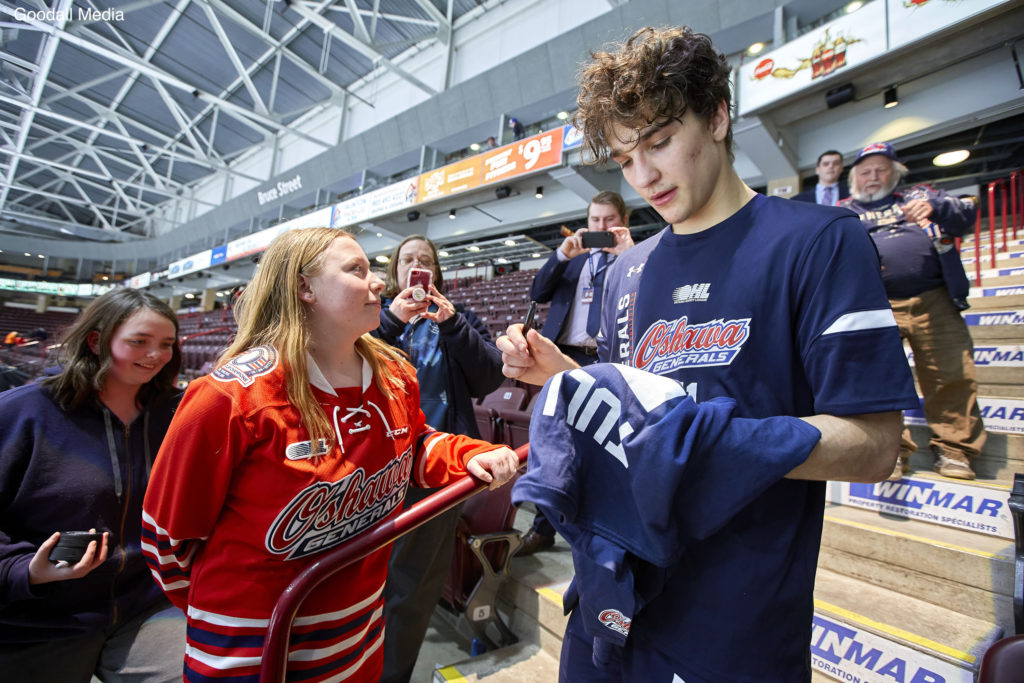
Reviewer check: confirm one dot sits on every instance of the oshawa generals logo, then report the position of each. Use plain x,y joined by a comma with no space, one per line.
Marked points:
246,367
327,514
615,620
669,345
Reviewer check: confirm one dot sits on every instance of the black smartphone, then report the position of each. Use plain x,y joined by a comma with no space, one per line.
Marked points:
72,544
531,314
597,239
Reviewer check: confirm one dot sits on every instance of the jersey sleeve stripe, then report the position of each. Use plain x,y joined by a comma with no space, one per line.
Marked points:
862,320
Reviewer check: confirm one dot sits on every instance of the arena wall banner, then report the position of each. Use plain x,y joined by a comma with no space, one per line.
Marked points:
379,202
140,281
528,155
190,264
254,243
850,40
846,651
572,137
978,507
55,288
910,20
451,179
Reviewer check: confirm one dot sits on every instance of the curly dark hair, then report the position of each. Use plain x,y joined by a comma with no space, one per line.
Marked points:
652,78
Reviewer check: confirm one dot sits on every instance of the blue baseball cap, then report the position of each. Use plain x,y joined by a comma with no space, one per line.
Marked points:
882,148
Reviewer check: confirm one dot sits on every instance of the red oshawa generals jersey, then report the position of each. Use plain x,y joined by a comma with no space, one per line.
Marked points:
237,506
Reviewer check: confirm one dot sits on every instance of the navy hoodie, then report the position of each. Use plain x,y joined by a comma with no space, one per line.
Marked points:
57,473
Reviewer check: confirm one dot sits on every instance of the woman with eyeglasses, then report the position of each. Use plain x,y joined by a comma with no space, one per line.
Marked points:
455,360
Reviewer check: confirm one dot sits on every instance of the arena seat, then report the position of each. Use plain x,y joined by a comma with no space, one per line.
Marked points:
517,423
485,543
488,420
1003,662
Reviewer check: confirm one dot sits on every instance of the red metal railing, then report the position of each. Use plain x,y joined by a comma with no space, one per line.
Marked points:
275,648
1001,184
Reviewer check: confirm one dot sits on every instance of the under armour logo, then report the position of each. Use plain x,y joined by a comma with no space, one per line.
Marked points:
635,270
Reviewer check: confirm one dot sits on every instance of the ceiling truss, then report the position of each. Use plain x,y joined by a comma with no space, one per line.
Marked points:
103,121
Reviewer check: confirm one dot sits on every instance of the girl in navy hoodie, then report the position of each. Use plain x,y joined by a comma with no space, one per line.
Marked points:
75,455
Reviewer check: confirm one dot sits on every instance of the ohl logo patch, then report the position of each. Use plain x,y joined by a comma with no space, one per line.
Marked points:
669,345
246,367
327,514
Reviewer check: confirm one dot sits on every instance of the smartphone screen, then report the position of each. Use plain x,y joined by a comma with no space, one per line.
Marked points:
597,239
420,277
531,314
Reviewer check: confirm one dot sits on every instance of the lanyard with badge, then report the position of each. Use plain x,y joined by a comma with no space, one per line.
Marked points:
587,295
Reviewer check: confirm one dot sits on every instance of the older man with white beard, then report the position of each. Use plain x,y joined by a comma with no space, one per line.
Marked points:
924,278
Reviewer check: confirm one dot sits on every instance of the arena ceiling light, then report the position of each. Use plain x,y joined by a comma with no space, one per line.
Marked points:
562,115
951,158
853,6
891,98
451,214
472,247
509,243
755,49
381,258
540,192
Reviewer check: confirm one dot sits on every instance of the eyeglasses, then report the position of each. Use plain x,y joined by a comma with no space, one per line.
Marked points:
424,261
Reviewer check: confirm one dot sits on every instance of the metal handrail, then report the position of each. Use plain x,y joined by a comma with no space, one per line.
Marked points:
275,648
1001,184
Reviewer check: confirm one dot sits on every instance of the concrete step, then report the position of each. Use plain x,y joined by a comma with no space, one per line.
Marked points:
990,335
964,571
1001,299
1004,259
1001,390
999,278
967,244
1001,457
523,662
869,633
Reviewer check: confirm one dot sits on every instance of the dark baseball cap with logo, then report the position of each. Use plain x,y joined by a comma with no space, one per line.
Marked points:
882,148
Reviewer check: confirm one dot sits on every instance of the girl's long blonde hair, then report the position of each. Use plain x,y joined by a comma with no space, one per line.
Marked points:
270,312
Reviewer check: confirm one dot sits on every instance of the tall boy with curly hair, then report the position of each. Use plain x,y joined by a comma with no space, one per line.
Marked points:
777,305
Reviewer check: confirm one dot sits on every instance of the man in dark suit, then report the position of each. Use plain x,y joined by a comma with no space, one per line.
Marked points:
572,280
829,189
572,277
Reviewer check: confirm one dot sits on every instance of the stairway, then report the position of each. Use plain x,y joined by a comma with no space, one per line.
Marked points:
915,578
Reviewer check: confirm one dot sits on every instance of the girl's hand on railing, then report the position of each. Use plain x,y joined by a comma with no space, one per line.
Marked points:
495,467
